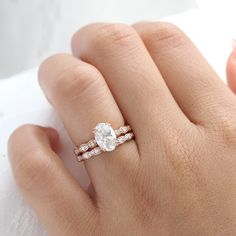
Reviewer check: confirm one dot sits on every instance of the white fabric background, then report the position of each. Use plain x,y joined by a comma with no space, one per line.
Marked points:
23,102
32,29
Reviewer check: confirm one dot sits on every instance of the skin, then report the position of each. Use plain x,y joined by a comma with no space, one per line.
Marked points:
231,69
177,177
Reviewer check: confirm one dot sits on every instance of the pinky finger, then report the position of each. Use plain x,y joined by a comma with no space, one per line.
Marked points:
61,205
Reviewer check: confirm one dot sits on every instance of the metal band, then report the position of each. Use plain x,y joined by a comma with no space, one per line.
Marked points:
94,146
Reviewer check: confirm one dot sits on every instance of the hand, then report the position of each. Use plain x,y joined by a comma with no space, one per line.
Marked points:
177,177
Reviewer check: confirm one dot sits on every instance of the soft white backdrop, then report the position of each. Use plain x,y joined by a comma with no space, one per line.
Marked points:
33,29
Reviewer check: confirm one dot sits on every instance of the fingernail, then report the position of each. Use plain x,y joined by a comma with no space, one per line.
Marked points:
234,45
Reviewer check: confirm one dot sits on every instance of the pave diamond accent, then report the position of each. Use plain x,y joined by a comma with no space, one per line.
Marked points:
122,130
123,138
83,148
96,151
86,155
105,137
92,143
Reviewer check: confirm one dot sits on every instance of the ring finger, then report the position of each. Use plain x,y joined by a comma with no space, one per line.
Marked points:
82,98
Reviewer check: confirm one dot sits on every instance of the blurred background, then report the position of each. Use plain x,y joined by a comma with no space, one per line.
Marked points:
31,30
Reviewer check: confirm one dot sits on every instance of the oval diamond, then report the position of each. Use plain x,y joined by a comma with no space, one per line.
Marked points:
105,137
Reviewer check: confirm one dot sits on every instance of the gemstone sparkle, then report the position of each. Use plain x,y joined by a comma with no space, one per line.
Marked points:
105,137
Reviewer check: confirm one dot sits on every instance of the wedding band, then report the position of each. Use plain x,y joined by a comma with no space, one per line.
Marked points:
106,139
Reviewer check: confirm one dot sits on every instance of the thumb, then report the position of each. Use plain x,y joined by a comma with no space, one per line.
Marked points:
231,69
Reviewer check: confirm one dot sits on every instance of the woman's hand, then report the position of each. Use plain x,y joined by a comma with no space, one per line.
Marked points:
177,177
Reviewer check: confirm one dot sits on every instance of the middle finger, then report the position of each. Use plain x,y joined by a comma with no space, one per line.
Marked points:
132,76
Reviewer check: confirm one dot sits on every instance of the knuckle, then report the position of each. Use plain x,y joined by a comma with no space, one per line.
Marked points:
17,133
182,152
46,66
16,139
31,171
166,35
75,81
226,127
111,34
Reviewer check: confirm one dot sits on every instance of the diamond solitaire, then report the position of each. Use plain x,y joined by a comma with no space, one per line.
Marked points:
106,139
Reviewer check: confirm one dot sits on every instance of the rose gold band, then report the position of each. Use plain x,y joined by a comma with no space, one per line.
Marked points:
91,148
97,150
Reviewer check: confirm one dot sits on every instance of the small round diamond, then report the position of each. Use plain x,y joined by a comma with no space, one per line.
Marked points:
121,139
117,132
86,155
83,148
96,151
122,129
129,136
92,143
